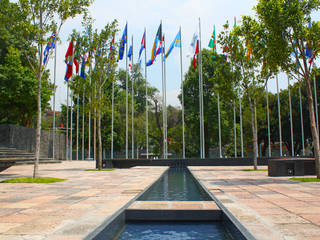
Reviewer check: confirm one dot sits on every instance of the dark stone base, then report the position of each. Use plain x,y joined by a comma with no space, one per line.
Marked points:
291,167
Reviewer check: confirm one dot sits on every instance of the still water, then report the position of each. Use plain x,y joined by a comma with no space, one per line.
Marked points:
177,184
174,230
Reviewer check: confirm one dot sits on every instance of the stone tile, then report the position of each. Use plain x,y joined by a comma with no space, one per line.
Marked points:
4,227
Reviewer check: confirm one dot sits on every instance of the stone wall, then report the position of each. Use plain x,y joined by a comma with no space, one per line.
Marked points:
25,139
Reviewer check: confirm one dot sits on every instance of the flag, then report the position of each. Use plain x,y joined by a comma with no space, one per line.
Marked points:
111,48
130,57
176,43
160,49
75,57
213,44
194,48
122,43
143,46
69,61
50,45
249,50
309,47
155,45
83,69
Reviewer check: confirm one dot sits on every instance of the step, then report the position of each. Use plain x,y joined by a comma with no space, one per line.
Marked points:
173,211
41,161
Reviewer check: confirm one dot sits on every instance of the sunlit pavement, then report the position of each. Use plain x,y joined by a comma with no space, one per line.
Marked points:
269,207
71,209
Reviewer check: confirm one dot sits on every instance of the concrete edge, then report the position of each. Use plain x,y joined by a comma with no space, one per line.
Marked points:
231,222
114,223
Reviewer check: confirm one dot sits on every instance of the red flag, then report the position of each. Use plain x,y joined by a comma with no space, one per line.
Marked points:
77,65
194,61
69,60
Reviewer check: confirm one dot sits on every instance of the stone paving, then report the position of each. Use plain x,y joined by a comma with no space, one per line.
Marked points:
71,209
270,208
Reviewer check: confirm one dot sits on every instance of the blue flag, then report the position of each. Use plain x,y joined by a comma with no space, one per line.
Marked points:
155,46
130,53
122,43
50,45
176,43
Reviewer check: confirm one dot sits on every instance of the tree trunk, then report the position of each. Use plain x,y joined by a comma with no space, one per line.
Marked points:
38,129
254,135
313,126
99,140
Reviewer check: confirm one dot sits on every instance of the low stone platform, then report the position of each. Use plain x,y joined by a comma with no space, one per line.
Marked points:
173,211
269,207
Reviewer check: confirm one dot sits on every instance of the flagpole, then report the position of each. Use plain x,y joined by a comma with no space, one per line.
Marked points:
301,120
268,121
127,92
132,104
165,96
241,129
291,123
279,116
77,154
95,126
316,102
145,73
182,99
83,99
71,124
256,124
200,95
54,100
112,119
67,128
235,128
89,129
219,125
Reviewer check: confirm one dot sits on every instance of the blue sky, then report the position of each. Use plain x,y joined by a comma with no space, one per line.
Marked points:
147,14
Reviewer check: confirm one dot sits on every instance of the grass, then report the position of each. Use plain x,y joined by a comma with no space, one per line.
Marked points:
102,170
34,180
253,170
310,179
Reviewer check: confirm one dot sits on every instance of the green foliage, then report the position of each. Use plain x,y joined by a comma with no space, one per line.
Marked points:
34,180
18,91
305,179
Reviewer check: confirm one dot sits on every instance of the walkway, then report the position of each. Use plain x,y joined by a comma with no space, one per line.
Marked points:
66,210
270,208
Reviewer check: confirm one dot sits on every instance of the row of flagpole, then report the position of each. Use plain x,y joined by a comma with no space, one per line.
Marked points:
165,138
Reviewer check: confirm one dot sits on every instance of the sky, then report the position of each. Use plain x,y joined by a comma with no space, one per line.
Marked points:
147,14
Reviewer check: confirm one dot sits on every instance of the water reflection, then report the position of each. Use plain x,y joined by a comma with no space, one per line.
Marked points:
177,184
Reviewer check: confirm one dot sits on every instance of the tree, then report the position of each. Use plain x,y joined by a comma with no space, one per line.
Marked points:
293,45
43,18
245,46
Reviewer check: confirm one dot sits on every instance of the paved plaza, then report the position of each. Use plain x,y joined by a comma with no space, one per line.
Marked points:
270,208
71,209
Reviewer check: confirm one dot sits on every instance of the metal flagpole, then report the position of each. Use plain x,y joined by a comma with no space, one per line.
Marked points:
316,102
165,97
256,124
201,96
219,125
54,100
279,116
89,129
67,127
163,100
235,128
95,127
268,121
77,153
132,104
182,100
127,92
301,119
112,118
241,129
71,124
291,123
83,125
145,73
